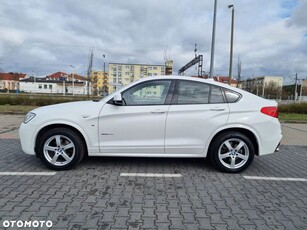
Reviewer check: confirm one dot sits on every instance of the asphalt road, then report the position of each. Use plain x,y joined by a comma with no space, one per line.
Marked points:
168,194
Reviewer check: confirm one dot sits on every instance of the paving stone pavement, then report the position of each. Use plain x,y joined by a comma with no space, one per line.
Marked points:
95,196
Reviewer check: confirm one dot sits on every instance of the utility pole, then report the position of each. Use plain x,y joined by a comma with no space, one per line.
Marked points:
239,71
89,70
301,91
34,80
231,42
104,75
73,80
213,41
295,90
295,81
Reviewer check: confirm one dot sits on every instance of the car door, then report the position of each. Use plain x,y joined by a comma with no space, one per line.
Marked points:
196,111
138,125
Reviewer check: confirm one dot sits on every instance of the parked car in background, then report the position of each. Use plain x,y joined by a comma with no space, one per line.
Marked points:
167,116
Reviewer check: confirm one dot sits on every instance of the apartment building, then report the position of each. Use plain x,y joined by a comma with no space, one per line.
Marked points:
264,86
121,74
99,82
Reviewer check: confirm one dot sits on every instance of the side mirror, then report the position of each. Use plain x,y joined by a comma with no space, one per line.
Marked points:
117,99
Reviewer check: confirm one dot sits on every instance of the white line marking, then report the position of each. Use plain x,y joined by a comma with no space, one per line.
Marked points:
274,178
27,173
151,175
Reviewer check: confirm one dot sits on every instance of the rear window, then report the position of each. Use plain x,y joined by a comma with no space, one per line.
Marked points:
216,95
193,93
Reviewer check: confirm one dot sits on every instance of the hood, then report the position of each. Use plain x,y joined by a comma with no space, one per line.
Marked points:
90,108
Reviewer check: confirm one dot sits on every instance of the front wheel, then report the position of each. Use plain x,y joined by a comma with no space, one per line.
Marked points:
60,148
232,152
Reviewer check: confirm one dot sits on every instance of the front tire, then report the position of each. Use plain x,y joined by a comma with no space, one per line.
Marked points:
232,152
60,148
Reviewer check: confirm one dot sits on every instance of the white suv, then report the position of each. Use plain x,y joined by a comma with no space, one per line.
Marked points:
167,116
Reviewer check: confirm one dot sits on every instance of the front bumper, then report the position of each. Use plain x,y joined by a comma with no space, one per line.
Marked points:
27,138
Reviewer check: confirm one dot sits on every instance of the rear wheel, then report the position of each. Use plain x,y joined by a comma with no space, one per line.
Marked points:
232,152
60,148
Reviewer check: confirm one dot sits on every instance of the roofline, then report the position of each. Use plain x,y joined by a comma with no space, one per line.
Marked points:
117,63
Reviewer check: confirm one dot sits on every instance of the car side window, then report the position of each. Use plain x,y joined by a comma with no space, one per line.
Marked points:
147,93
189,92
231,96
216,95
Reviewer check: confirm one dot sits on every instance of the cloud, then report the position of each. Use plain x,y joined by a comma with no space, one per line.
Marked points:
47,36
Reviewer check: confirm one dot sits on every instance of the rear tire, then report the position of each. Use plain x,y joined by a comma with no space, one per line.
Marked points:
60,148
232,152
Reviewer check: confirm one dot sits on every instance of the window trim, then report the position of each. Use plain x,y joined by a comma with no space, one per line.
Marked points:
174,100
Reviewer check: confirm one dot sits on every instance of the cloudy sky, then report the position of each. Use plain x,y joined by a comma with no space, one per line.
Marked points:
43,36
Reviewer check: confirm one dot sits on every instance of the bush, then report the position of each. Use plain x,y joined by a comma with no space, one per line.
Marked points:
293,108
38,100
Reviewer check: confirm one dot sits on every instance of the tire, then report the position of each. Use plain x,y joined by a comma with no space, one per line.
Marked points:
232,152
60,148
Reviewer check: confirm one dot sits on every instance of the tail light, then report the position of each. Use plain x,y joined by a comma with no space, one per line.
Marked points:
270,111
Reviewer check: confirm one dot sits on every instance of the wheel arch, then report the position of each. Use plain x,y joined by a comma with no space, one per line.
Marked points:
244,131
52,126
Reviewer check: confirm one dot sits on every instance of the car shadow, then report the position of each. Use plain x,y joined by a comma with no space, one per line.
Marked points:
164,165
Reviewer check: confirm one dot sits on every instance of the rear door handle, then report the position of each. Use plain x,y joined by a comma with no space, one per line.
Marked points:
217,109
157,111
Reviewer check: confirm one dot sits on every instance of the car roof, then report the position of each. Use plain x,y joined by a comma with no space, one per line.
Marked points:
177,77
210,81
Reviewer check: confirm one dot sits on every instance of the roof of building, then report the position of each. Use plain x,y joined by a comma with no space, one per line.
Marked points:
62,74
48,80
224,79
116,63
12,76
221,79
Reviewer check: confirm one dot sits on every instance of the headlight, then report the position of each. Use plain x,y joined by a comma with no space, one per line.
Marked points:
29,117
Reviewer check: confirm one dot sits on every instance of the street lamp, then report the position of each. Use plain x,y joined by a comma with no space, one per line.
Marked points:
73,80
213,41
231,41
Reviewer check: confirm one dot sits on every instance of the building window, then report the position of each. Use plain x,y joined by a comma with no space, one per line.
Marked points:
40,86
149,68
50,86
45,86
155,68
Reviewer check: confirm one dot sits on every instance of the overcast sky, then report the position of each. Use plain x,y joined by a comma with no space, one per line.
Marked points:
45,36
